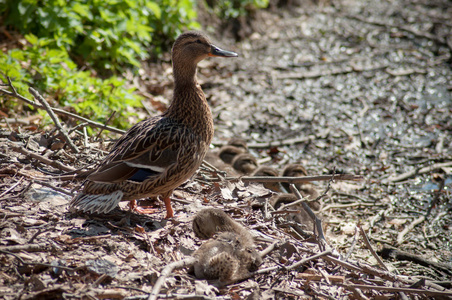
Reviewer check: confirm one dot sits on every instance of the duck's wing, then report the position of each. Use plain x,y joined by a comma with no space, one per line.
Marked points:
147,149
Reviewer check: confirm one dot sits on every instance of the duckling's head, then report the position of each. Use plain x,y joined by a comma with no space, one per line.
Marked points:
228,152
245,163
295,170
268,171
265,171
238,142
193,46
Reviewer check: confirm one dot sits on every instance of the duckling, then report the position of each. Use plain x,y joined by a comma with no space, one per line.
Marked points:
268,171
280,199
239,143
157,155
245,163
302,217
228,152
305,189
211,221
225,258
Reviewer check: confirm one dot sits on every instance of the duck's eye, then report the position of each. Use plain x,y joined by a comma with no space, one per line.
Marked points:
199,41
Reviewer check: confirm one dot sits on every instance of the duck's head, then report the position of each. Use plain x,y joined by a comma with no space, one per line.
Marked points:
193,46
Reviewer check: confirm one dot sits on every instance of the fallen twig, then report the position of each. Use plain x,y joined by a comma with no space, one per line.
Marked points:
12,187
396,289
299,179
42,159
269,249
419,171
37,263
280,143
369,246
317,221
401,235
105,125
391,252
347,205
437,194
59,111
274,268
352,67
26,247
54,118
405,28
166,272
352,247
57,189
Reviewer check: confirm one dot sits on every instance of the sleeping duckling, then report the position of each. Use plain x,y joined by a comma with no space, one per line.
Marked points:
225,258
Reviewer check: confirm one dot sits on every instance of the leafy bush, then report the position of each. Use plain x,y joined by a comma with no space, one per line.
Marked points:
52,70
102,34
77,48
231,9
72,42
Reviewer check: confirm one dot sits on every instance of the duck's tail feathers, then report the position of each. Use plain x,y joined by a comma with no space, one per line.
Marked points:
102,203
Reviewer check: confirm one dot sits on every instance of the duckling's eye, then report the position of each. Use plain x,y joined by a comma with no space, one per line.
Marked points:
199,41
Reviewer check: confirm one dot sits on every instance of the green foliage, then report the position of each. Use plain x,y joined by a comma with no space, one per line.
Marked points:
231,9
73,41
52,71
102,34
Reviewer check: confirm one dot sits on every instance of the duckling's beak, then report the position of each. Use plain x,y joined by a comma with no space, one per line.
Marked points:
215,51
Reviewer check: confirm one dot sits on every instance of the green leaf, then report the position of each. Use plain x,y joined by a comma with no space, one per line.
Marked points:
82,10
31,38
154,7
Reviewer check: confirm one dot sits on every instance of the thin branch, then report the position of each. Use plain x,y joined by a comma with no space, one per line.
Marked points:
274,268
269,249
56,121
401,235
317,221
300,179
369,246
396,289
166,272
37,263
57,110
43,159
12,187
26,247
57,189
420,171
105,125
352,247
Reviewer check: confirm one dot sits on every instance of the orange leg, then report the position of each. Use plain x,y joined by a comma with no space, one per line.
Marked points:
169,209
134,207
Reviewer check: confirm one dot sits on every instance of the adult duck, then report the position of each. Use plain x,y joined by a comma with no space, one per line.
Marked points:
157,155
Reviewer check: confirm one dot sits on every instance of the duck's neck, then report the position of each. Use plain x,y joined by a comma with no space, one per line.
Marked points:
189,105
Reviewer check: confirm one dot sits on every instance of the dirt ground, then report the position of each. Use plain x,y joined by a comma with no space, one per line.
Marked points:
342,87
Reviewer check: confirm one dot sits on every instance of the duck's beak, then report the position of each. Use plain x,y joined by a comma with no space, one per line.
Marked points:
215,51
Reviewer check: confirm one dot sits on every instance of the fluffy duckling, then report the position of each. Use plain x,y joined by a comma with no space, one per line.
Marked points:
157,155
306,189
211,221
229,152
239,143
301,217
268,171
225,258
245,163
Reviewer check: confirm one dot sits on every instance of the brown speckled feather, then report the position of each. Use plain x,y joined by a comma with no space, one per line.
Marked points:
158,154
